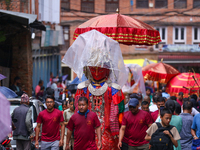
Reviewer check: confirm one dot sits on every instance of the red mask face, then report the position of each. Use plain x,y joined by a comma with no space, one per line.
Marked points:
99,73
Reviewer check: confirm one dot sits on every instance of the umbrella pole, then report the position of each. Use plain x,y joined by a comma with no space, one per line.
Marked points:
158,86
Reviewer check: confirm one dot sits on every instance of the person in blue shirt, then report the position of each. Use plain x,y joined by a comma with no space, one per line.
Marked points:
195,129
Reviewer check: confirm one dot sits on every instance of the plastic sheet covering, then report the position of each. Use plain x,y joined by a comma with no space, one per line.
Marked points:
96,49
136,71
147,62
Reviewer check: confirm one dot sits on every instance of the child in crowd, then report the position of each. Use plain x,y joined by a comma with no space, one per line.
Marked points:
171,131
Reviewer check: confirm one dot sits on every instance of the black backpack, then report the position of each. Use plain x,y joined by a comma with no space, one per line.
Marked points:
161,141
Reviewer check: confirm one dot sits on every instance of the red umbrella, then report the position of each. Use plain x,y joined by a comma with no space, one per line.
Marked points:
160,72
124,29
188,83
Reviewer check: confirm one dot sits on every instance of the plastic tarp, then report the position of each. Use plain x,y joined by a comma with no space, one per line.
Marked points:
137,76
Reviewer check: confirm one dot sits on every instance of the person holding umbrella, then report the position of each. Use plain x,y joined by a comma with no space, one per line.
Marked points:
100,59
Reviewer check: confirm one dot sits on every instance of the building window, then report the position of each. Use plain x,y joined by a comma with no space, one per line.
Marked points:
142,3
87,5
161,3
112,5
196,3
163,37
66,34
180,4
179,35
65,5
196,35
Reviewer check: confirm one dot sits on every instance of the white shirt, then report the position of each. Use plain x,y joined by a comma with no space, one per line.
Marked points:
153,107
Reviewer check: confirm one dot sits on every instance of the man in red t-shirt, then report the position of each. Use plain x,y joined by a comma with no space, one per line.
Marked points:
160,103
180,98
135,123
84,123
51,119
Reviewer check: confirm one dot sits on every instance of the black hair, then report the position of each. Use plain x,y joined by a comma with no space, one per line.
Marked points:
170,104
56,105
173,98
17,78
165,111
155,97
50,91
83,99
144,103
136,95
71,99
64,103
51,97
194,103
185,99
194,96
42,88
160,99
177,108
40,82
187,105
180,93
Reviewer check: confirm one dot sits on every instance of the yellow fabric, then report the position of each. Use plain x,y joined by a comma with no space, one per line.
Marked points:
136,61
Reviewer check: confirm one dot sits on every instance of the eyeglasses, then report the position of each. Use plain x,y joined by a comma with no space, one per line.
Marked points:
49,102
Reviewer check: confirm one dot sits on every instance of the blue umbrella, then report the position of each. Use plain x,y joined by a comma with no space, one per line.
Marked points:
64,77
2,77
8,93
77,81
73,85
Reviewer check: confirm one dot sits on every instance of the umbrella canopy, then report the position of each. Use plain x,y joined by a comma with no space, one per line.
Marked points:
8,93
97,50
77,81
5,119
64,77
124,29
73,85
185,83
160,72
2,77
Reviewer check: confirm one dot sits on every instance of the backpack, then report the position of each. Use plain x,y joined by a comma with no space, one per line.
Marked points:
161,141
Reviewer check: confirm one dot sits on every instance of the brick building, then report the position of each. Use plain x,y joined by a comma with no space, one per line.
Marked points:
17,21
178,22
15,44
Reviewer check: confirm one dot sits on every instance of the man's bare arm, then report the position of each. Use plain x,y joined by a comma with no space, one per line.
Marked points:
69,134
147,137
193,132
62,130
37,135
37,131
121,135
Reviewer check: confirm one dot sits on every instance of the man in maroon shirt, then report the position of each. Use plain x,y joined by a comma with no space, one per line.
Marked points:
135,123
84,123
51,119
160,102
180,98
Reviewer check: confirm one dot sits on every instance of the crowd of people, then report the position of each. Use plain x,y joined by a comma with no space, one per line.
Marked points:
176,117
147,119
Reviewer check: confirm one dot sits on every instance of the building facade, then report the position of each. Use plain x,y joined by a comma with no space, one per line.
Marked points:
178,22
